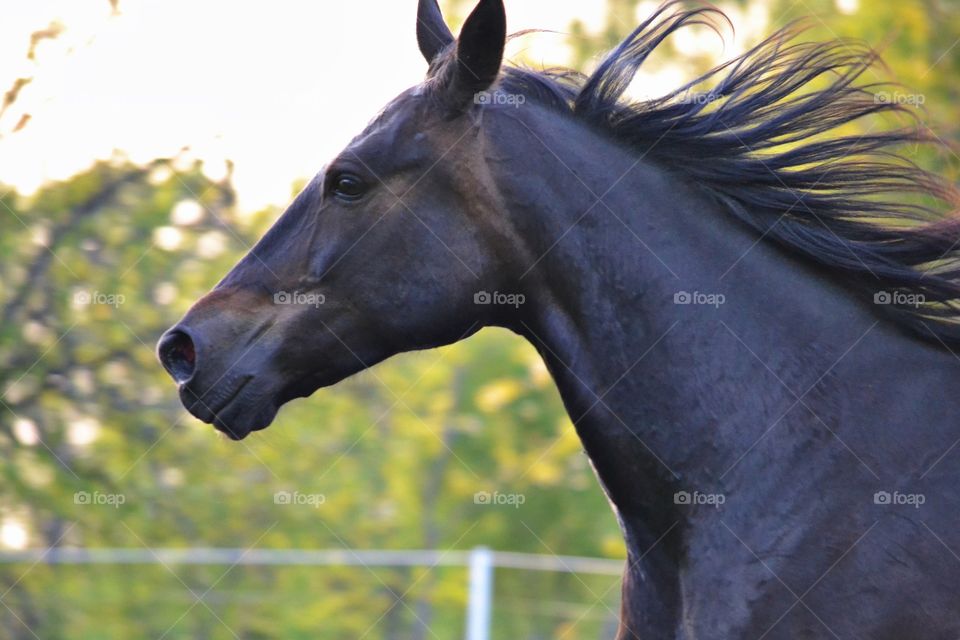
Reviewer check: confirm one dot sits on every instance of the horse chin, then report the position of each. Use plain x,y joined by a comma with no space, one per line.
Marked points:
242,418
240,425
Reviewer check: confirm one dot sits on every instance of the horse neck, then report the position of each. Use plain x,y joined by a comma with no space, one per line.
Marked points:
614,239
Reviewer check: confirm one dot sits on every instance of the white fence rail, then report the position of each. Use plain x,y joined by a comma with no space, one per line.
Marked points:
481,563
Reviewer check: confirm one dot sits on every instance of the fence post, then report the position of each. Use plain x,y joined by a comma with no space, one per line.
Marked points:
479,605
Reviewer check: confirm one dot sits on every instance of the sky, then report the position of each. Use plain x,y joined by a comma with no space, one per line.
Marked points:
277,87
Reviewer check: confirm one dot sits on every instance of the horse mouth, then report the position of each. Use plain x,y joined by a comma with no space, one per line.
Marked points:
233,429
231,412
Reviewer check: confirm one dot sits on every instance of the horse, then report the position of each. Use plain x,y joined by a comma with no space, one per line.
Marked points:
750,311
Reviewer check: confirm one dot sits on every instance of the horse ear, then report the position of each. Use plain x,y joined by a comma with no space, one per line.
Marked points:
480,47
433,34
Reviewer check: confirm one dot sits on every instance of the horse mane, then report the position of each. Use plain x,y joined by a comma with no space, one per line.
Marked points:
761,134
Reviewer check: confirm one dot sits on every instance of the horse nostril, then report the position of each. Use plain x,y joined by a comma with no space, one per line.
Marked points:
178,355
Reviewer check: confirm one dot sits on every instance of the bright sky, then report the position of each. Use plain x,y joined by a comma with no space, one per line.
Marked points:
278,87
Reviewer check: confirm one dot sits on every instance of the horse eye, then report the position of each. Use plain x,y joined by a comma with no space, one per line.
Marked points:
349,187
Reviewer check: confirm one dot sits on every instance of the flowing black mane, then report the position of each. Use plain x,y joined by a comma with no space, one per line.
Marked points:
761,133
